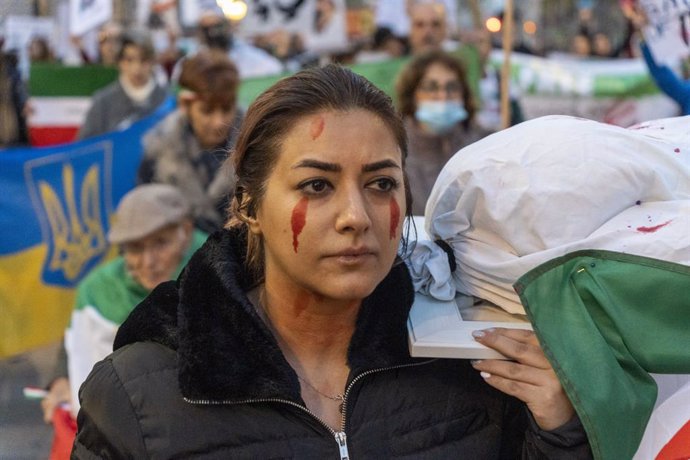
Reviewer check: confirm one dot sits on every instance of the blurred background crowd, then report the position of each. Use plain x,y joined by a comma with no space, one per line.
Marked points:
263,38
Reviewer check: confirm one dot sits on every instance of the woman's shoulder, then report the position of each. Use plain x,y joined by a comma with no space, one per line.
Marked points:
135,368
129,384
136,359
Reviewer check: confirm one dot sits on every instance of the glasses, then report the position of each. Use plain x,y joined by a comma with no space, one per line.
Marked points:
452,88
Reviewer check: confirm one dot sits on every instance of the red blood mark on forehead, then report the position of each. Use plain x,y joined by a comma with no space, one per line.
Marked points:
652,229
299,219
317,128
395,218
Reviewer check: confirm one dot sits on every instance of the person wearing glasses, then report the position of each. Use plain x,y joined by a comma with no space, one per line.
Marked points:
438,108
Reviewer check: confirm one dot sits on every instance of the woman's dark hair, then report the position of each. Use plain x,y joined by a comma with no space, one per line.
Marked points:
273,114
412,74
212,76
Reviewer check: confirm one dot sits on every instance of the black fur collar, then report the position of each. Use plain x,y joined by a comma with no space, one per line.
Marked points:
225,350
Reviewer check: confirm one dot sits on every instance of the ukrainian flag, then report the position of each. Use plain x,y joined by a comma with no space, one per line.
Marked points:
55,208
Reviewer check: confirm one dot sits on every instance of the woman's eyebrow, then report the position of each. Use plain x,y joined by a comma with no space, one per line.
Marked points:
316,164
335,167
383,164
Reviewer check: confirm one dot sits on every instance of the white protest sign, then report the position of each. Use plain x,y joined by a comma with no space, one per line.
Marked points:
265,16
668,32
85,15
19,30
322,24
327,32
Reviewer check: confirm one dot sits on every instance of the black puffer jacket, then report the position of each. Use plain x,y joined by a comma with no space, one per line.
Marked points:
197,374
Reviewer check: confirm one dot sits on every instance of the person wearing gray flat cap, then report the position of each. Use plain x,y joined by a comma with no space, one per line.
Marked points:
154,231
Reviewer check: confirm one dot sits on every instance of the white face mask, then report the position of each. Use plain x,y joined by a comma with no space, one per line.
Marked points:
440,116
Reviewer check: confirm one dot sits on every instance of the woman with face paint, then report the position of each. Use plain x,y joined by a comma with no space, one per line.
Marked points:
438,110
286,335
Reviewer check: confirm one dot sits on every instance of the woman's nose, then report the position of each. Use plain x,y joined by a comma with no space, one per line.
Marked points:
354,213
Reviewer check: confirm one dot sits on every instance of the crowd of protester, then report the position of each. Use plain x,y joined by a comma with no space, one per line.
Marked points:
188,149
280,52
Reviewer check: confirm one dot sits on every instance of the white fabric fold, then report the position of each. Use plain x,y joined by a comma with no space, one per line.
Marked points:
430,271
551,186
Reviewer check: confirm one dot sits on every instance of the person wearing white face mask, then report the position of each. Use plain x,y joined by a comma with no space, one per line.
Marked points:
438,108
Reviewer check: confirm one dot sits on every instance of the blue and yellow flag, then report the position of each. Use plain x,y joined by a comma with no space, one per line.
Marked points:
55,208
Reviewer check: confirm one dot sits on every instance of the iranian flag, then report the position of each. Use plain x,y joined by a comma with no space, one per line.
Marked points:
60,98
668,432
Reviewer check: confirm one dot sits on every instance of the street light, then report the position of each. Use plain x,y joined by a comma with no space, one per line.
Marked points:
234,10
493,24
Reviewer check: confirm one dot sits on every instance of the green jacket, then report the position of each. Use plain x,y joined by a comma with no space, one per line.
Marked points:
105,298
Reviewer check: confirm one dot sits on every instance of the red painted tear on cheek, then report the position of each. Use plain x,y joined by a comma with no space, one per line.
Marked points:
395,218
317,128
299,219
652,229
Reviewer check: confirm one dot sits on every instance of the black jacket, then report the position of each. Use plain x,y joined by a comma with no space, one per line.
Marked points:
197,374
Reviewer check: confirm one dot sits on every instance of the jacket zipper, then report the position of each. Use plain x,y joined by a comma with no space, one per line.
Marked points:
340,436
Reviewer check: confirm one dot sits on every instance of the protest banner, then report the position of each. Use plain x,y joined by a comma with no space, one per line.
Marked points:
615,91
382,74
55,208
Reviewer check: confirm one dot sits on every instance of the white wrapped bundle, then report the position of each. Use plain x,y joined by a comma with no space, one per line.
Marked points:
550,186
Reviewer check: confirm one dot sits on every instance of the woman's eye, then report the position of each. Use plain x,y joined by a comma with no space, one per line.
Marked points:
385,184
314,186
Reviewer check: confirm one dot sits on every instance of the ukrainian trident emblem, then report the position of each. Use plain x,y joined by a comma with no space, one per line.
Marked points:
69,195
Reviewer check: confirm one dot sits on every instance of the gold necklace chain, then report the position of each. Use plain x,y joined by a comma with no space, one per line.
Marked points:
338,397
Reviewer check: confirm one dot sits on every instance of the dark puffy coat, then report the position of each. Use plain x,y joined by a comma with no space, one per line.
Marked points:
197,374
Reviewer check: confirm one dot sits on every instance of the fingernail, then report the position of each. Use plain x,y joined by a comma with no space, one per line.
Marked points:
485,375
478,334
474,362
